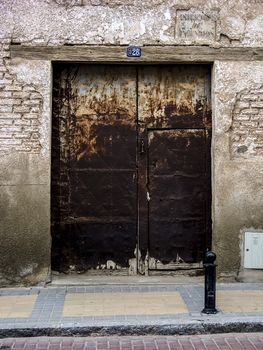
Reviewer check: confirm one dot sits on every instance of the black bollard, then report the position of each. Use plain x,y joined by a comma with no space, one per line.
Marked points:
210,283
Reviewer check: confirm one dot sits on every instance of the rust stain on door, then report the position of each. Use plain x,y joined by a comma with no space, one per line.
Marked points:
175,123
174,96
177,188
130,166
98,152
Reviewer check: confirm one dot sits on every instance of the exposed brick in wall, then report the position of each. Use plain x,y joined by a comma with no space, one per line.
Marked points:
20,110
247,124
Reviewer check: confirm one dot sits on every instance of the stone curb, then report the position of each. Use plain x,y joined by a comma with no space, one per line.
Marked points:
129,330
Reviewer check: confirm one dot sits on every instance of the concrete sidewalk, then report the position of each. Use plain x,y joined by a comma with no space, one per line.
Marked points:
129,309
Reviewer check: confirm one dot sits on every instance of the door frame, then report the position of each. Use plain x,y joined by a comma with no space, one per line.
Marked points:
152,59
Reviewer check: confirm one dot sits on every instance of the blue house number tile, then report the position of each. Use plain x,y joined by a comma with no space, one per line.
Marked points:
134,51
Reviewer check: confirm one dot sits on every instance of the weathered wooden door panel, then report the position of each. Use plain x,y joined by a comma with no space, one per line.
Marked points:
177,193
99,150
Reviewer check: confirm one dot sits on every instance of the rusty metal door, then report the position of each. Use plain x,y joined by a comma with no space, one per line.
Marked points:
130,167
177,196
174,165
94,167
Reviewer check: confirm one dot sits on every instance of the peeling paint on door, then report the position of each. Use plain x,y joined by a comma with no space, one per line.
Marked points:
98,152
177,183
131,167
174,112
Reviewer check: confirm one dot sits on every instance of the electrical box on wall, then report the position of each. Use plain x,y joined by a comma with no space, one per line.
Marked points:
253,254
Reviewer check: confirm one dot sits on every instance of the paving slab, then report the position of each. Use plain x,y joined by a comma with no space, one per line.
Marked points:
252,341
129,309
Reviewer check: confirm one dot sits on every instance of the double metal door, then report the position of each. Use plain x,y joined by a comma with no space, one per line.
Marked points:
130,167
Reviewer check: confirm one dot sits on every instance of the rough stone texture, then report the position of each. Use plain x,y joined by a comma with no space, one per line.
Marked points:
237,183
55,22
25,91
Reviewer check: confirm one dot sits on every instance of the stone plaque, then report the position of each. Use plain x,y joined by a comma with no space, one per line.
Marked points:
195,24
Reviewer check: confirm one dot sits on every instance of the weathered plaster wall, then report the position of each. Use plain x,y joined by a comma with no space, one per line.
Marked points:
115,22
25,105
237,157
25,93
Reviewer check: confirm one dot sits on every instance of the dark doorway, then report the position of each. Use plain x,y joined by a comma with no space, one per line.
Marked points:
131,181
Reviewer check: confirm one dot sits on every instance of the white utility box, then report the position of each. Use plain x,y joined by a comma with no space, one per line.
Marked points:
253,252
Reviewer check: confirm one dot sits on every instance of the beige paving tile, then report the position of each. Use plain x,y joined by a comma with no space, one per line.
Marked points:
17,306
107,304
240,301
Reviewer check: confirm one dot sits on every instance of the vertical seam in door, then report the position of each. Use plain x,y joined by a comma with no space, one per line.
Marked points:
137,172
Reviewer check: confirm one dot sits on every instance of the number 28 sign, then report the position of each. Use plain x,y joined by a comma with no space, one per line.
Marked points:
134,51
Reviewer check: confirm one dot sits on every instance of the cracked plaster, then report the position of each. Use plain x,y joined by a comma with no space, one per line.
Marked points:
58,22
